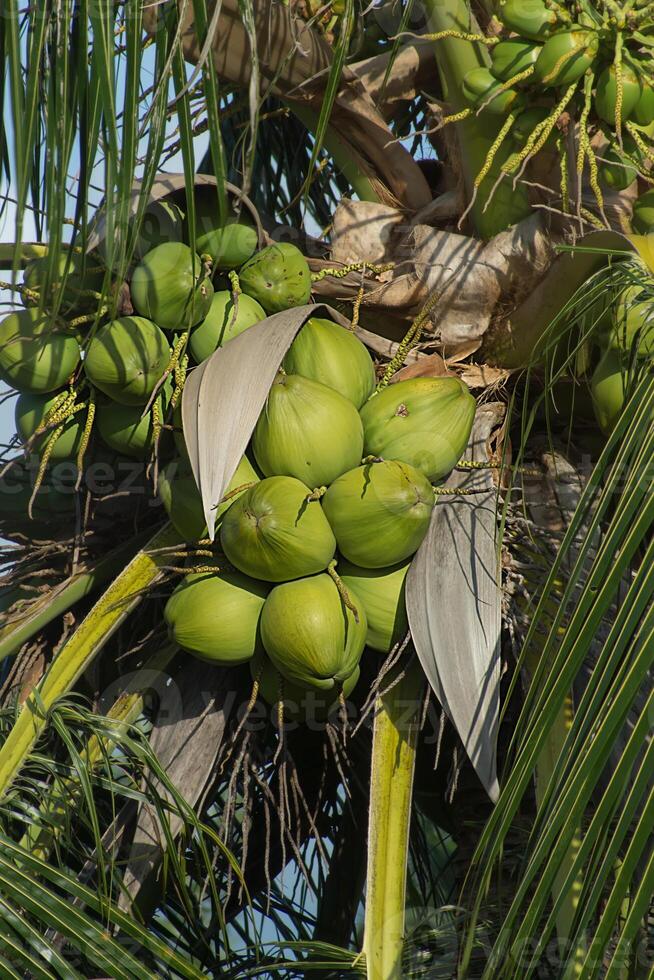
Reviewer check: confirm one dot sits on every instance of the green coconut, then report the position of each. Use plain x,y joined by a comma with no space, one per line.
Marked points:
510,57
230,243
615,170
379,512
31,412
224,321
566,56
276,532
82,273
423,421
606,94
309,633
527,122
633,322
126,358
643,214
125,429
479,86
643,113
216,616
168,286
308,431
181,498
326,352
381,590
530,18
37,354
608,386
162,222
300,704
278,277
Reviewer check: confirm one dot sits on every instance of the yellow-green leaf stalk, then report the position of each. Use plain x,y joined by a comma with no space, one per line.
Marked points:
476,134
116,603
397,716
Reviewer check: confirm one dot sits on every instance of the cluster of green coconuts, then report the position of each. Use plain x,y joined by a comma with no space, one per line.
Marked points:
626,341
546,47
335,492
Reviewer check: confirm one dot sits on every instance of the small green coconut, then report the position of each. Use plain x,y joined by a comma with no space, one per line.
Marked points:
633,322
168,286
479,88
162,222
278,277
30,413
381,590
301,705
125,429
642,221
230,243
276,532
510,57
126,358
643,113
82,273
529,19
423,421
606,96
309,633
308,431
37,353
379,512
216,616
566,56
224,321
608,387
180,496
326,352
615,170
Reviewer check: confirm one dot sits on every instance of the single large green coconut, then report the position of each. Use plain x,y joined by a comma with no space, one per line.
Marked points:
300,704
379,512
30,413
381,590
308,431
126,358
276,532
216,616
230,243
608,389
479,87
180,496
278,277
225,320
424,421
82,274
633,322
309,633
326,352
168,286
614,169
37,353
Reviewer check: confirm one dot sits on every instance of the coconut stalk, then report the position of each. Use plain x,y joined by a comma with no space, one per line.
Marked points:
116,603
395,735
477,133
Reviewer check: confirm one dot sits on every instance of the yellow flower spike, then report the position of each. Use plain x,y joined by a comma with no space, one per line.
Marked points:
43,465
86,437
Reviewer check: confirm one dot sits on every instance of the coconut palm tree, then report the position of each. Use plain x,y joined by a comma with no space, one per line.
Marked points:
486,809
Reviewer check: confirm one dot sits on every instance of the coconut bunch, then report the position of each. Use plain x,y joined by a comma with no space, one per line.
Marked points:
581,61
318,527
91,381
